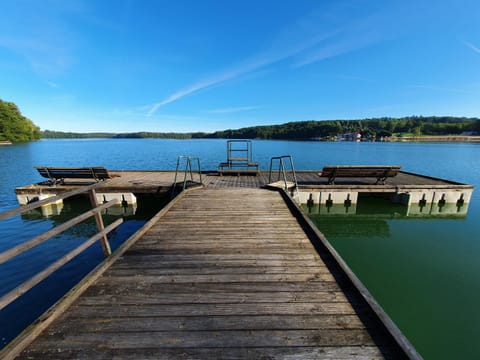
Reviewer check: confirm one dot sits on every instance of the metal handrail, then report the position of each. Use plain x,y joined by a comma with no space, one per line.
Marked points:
20,249
281,171
247,150
188,170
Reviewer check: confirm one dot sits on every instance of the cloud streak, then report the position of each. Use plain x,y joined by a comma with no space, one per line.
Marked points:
204,84
311,39
255,63
471,46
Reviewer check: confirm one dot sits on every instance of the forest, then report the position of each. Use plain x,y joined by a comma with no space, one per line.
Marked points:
373,129
49,134
15,127
368,128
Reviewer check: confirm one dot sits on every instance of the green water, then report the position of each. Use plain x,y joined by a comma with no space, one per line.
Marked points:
426,282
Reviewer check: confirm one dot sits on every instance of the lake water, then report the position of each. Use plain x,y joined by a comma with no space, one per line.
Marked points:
423,271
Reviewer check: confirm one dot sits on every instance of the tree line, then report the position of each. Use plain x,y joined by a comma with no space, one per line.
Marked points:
14,126
368,128
313,129
49,134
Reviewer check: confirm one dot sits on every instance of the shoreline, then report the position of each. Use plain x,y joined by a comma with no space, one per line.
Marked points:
436,138
421,138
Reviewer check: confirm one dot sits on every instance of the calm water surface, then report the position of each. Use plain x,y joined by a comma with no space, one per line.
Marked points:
423,271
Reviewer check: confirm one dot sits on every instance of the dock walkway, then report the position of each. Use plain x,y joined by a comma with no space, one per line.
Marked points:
224,273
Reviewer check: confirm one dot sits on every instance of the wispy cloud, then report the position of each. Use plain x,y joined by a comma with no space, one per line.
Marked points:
471,46
341,46
315,37
232,110
52,84
203,85
255,63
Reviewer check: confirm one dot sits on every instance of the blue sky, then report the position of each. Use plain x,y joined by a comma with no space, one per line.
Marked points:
181,66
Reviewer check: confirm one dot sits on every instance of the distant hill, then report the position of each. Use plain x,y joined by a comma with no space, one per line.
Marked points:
49,134
368,128
313,129
14,126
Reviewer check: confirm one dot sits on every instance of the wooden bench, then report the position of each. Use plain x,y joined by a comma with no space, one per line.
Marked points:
380,172
59,174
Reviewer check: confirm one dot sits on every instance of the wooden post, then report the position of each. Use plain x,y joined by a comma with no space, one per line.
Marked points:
98,219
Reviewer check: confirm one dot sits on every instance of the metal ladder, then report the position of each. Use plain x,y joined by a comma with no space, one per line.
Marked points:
187,171
283,173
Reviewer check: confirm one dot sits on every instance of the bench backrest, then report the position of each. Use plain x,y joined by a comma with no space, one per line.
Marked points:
361,171
98,172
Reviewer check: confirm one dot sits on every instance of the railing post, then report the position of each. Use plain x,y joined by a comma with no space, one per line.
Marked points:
98,219
188,170
187,162
199,170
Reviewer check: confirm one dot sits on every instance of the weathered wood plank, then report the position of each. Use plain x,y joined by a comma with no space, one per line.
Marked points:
199,260
216,278
214,298
242,309
223,274
107,287
218,251
227,234
192,339
201,323
228,247
155,257
231,353
173,269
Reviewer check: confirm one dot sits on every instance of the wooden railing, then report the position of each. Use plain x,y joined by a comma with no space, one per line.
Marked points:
21,248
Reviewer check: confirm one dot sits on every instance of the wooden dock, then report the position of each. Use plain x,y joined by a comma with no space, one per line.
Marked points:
229,273
230,270
418,192
160,182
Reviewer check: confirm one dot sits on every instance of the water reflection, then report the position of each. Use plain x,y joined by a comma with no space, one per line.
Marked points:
371,216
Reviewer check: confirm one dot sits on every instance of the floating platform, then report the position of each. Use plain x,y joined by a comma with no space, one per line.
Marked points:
124,184
420,193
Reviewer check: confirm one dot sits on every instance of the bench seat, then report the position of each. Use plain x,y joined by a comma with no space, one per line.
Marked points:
380,172
59,174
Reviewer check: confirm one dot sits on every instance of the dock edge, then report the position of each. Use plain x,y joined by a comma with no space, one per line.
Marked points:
382,316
